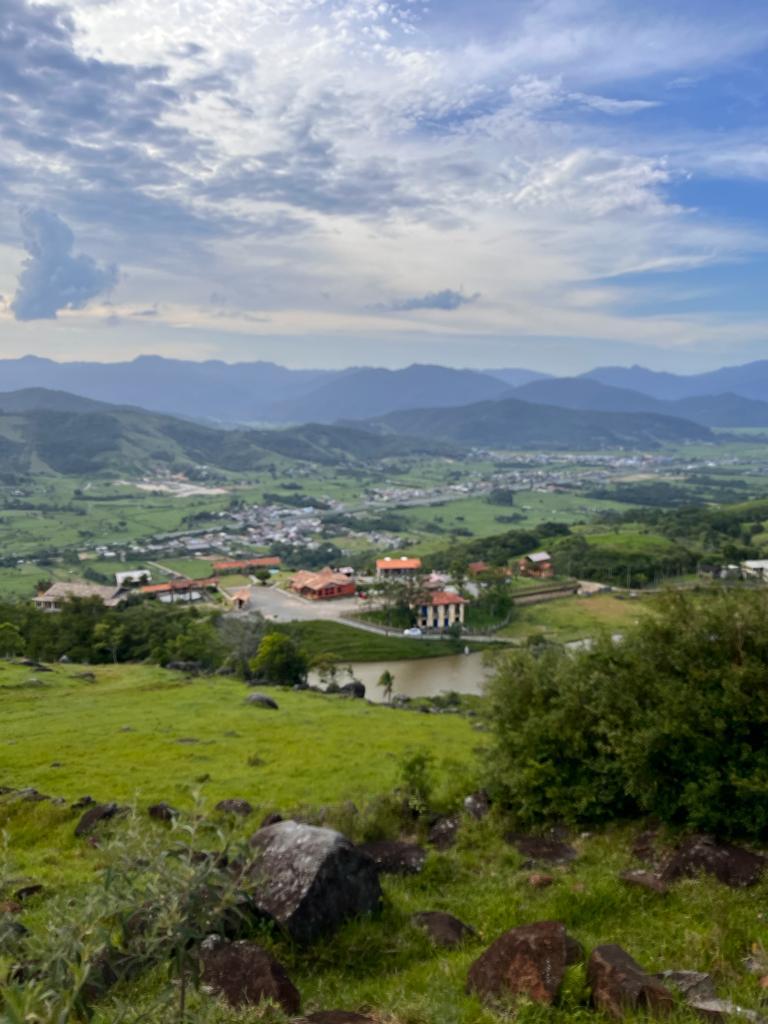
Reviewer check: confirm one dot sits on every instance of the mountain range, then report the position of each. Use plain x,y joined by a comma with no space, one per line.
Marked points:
54,431
263,393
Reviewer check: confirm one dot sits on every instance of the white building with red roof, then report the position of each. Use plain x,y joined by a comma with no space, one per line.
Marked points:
440,609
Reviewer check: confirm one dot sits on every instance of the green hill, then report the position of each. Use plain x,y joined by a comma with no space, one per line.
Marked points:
53,431
510,423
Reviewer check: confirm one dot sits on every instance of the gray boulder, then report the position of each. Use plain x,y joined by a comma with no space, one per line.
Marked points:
731,865
393,857
621,987
260,700
443,929
311,880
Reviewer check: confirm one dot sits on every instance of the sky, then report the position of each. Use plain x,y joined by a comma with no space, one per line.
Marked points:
554,184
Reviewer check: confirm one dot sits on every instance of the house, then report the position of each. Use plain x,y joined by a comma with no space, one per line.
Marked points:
537,565
133,576
755,569
247,565
242,599
394,568
440,609
57,595
477,568
324,585
180,590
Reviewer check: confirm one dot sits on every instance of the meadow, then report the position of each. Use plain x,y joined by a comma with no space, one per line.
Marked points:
127,736
575,618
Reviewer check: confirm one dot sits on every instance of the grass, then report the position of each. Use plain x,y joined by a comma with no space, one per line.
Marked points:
351,644
118,738
192,568
574,618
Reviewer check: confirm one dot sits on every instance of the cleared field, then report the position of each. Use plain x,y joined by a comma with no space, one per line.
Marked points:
575,618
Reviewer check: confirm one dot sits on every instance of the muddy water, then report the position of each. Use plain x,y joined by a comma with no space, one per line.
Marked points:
464,673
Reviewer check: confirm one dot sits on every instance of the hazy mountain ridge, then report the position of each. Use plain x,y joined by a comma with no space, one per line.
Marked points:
511,423
749,380
588,393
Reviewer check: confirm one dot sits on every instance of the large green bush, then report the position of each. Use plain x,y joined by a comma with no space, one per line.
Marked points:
672,721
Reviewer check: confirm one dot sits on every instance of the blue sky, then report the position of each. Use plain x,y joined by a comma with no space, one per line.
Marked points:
546,183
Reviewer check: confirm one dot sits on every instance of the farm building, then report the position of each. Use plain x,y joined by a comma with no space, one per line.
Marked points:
440,610
323,585
133,576
55,597
393,568
180,590
537,565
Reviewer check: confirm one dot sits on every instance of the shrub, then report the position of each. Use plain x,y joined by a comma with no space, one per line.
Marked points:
670,722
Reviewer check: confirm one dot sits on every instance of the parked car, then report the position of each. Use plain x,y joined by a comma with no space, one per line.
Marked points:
413,631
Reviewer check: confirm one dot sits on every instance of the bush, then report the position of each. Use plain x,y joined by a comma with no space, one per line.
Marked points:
670,722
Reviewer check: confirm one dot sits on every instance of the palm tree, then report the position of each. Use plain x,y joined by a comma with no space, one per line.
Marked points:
386,682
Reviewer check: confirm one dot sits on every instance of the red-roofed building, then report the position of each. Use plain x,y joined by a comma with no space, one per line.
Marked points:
477,568
324,585
537,565
393,568
179,590
440,610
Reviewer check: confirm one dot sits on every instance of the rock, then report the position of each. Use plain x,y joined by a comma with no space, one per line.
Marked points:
691,984
311,880
644,880
193,668
10,907
87,677
731,865
188,740
644,846
31,796
260,700
11,933
234,806
28,891
64,660
443,833
444,929
107,968
162,812
540,881
245,974
477,804
354,689
715,1010
548,850
94,816
620,986
271,819
337,1017
528,961
393,857
83,802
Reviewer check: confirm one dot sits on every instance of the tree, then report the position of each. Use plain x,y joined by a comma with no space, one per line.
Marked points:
263,576
327,667
109,636
11,640
279,660
386,682
670,722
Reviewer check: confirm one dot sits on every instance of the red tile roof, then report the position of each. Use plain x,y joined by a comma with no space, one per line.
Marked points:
398,563
267,561
442,597
166,588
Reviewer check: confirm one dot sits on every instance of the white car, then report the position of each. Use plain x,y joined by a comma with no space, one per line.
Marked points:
413,631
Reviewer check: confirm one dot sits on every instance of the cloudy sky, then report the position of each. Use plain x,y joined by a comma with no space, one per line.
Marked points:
545,183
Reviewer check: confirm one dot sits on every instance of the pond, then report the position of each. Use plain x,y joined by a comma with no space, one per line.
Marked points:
426,677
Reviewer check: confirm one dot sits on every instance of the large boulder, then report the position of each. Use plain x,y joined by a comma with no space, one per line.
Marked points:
620,986
443,929
647,880
94,817
393,857
731,865
528,961
354,689
245,974
311,880
261,700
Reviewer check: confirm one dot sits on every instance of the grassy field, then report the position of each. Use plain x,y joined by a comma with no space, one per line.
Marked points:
349,644
320,751
146,734
574,618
